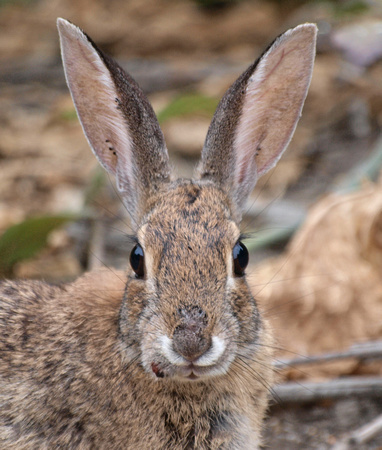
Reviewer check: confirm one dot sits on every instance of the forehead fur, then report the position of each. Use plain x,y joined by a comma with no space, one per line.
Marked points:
192,210
188,237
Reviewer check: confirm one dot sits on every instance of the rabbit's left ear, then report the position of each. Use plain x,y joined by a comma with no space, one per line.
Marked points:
256,118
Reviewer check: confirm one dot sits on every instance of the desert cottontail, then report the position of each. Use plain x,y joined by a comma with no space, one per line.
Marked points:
174,354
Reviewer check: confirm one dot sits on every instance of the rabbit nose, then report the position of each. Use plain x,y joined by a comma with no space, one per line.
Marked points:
190,339
190,342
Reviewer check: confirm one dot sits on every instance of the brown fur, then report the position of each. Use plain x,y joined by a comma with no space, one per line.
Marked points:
178,357
70,358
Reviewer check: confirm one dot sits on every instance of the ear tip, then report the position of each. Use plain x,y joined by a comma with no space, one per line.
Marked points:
69,32
306,29
67,28
62,23
304,35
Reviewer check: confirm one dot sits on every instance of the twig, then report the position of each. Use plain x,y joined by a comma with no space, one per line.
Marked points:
362,435
368,431
366,350
309,391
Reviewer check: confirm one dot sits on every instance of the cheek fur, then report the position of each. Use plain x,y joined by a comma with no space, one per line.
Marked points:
131,311
246,311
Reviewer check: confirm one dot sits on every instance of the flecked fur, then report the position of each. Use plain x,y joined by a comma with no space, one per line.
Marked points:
179,357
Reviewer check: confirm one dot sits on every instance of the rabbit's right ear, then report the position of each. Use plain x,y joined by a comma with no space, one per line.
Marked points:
256,118
117,119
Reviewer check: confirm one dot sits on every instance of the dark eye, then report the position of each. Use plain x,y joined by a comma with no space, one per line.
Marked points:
240,258
137,261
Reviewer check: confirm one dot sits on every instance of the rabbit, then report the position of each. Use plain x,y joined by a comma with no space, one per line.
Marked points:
173,353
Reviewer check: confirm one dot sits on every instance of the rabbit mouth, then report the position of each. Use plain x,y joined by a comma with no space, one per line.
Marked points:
192,376
189,372
195,372
164,362
192,372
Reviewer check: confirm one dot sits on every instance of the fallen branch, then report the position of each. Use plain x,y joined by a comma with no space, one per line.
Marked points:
366,350
367,432
309,391
362,435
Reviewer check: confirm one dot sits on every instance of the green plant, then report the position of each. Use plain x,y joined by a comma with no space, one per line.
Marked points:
24,240
188,104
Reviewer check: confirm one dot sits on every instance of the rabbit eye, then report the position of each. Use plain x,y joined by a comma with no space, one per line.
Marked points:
240,258
137,261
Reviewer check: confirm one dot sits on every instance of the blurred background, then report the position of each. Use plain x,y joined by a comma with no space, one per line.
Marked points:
315,221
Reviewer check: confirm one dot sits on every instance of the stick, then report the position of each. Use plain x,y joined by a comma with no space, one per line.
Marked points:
360,436
309,391
367,432
366,350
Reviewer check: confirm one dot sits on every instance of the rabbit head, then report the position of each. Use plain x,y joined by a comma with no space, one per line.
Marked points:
188,312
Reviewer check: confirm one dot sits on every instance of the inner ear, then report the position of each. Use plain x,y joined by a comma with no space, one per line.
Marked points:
117,119
272,104
256,118
96,99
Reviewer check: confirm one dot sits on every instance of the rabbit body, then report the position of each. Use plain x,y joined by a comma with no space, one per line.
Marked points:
71,375
173,354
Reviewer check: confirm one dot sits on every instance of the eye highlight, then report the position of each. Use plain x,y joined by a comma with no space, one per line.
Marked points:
240,258
137,261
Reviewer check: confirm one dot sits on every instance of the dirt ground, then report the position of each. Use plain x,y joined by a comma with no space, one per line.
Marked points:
323,292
